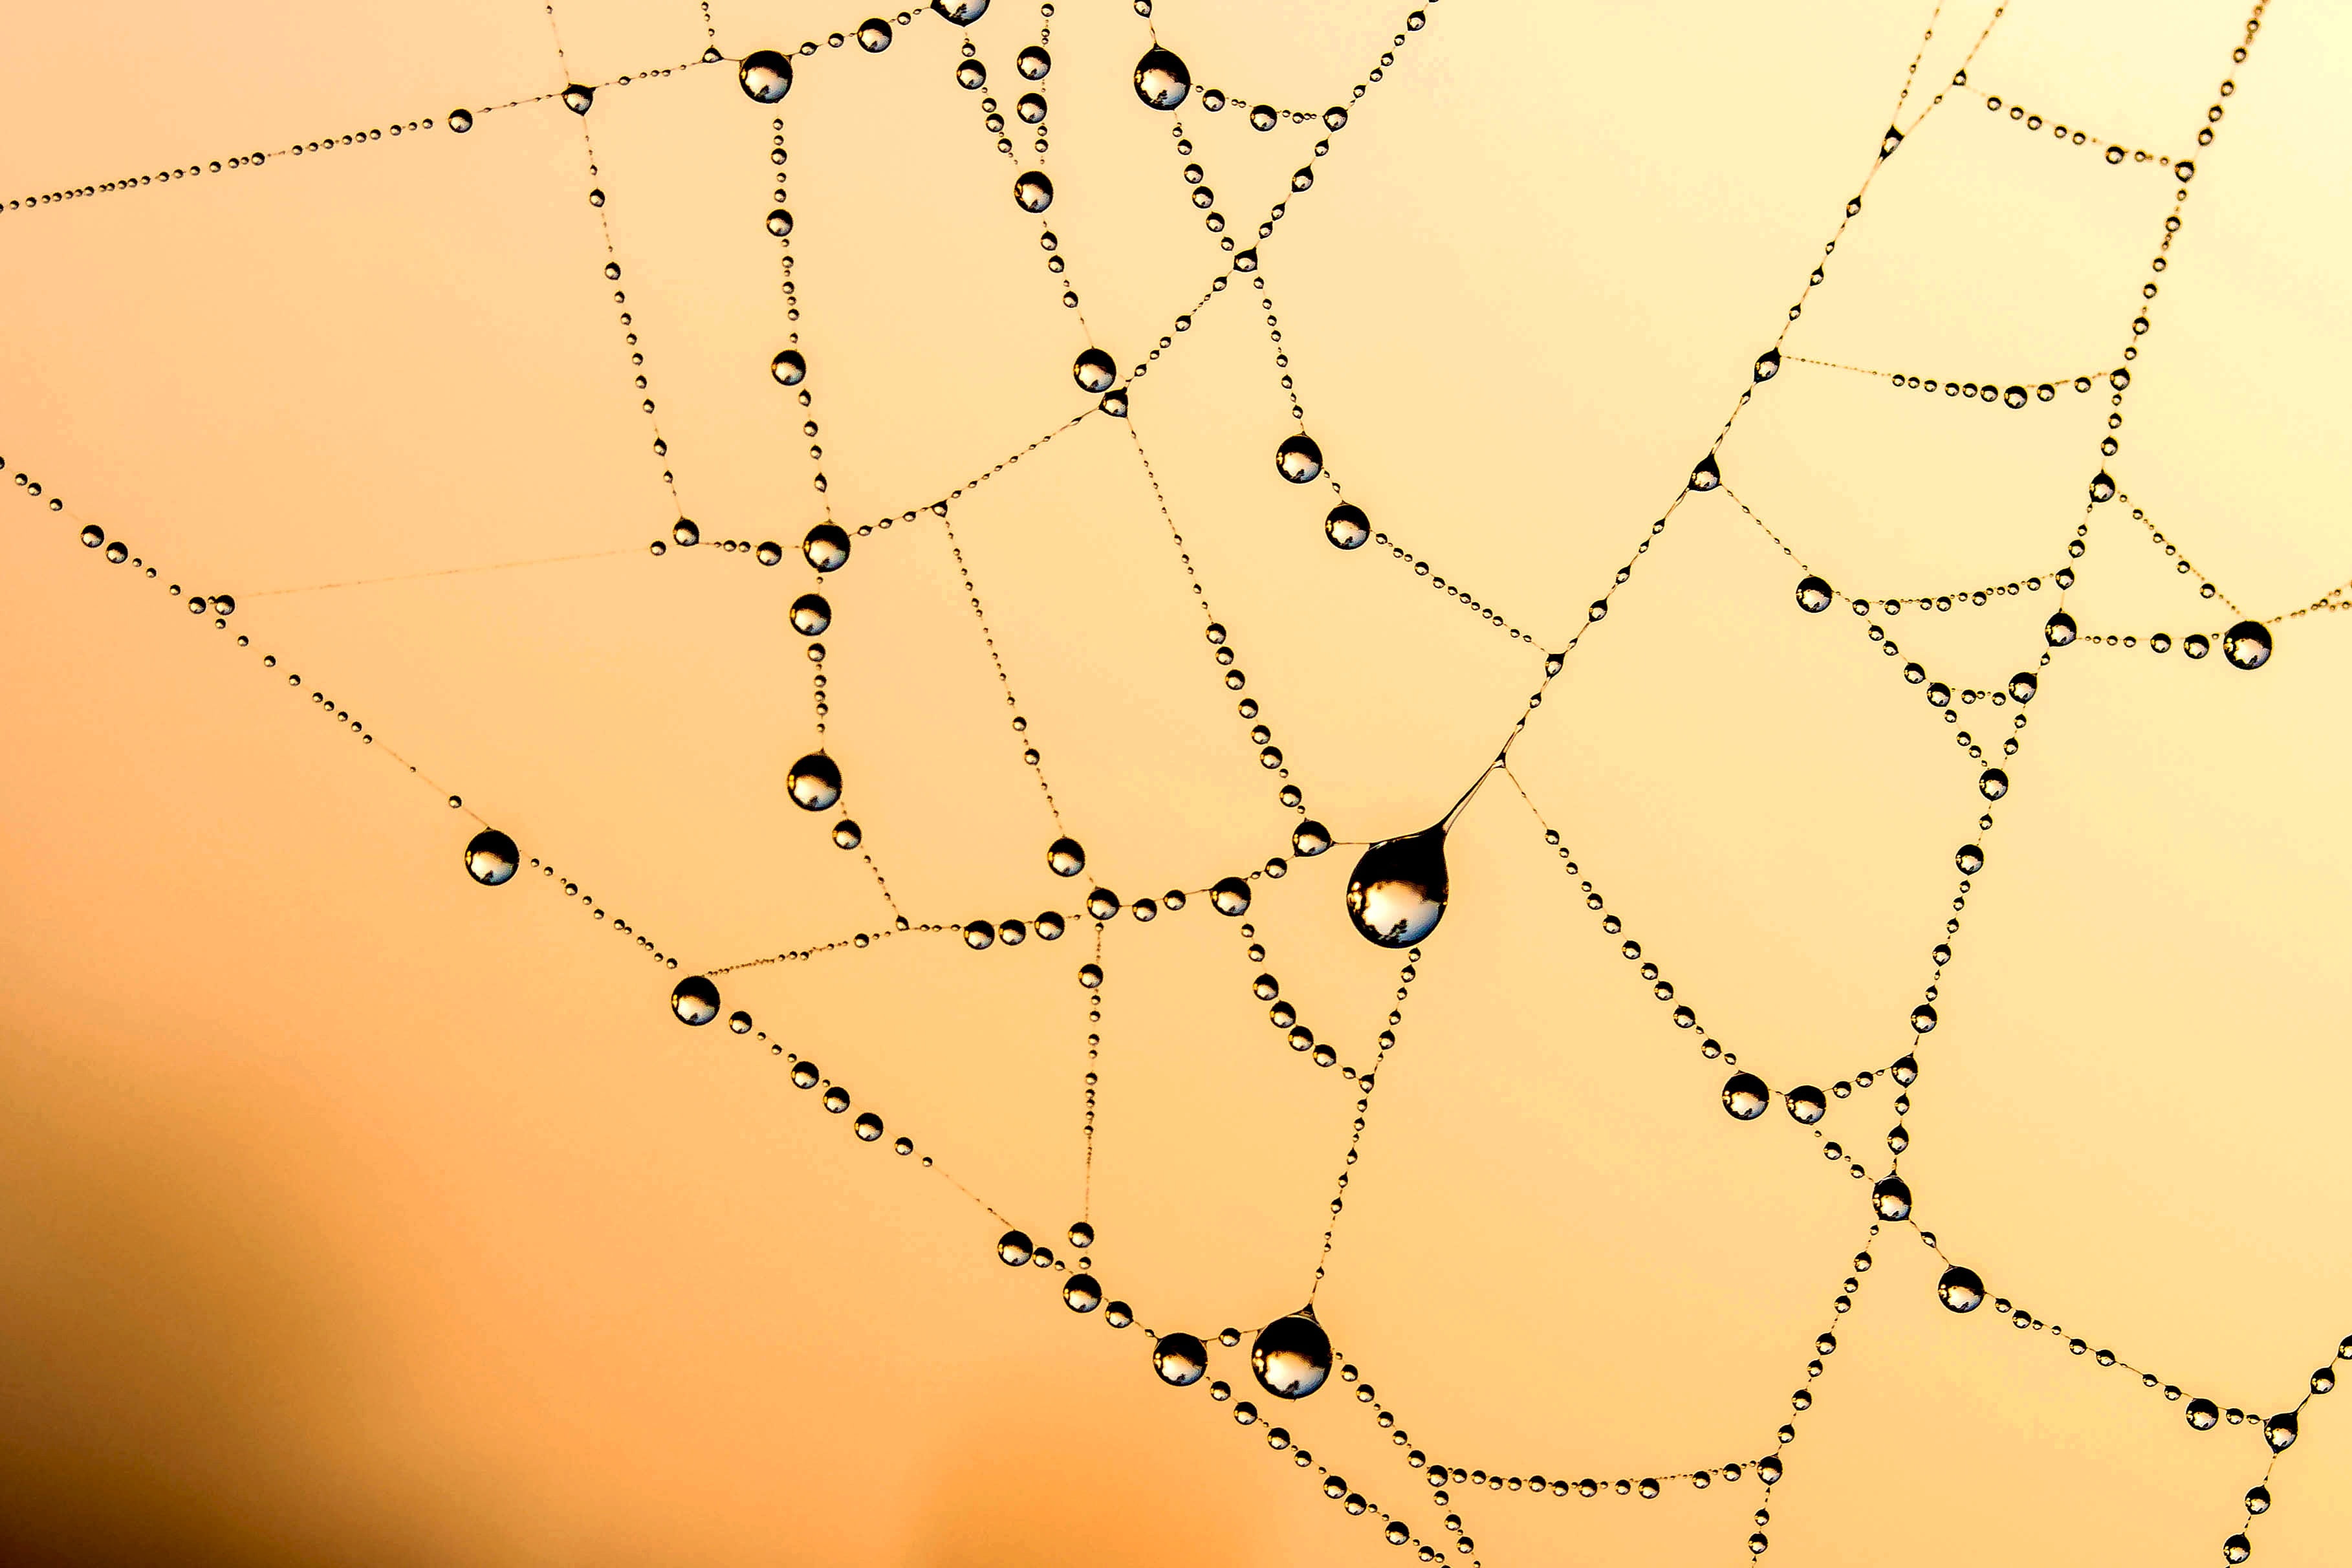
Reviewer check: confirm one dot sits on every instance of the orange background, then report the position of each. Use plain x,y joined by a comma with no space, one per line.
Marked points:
354,1212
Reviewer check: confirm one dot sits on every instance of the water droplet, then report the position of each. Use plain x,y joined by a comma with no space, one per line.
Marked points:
868,1127
695,1001
1180,1360
1397,893
1992,784
2247,644
1347,526
826,547
2279,1431
1231,897
848,835
1891,1198
2196,646
1923,1019
1707,476
1887,145
971,75
789,368
2237,1549
1014,1247
1160,79
1082,1235
1744,1096
874,34
978,935
1813,596
740,1023
2059,630
1309,838
816,783
1102,903
1066,857
1292,1356
1970,859
1961,1289
1114,402
1031,109
2258,1500
1034,62
766,76
1298,459
1095,372
491,858
579,99
1262,116
1048,927
962,13
810,615
1807,1104
780,223
1768,365
804,1074
92,535
2102,486
460,121
685,531
2203,1415
1082,1294
2023,685
1032,191
2015,397
836,1100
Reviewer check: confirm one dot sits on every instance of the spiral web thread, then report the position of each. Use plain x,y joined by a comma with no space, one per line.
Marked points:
1162,74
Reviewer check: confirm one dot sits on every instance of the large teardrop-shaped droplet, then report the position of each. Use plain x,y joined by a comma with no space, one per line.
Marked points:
816,783
1160,79
1708,475
1396,895
1768,365
1292,1356
491,858
766,76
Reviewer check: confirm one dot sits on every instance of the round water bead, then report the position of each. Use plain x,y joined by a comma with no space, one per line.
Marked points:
2203,1415
766,76
848,835
874,34
816,783
826,547
769,553
1960,1289
1082,1294
1396,895
1095,372
868,1127
685,531
2237,1549
1102,903
1744,1096
789,368
1807,1104
962,13
1082,1235
1923,1018
1014,1247
1231,896
1114,402
1032,191
1970,859
980,935
1298,459
579,99
971,75
1992,784
2247,644
810,615
1031,109
1292,1356
2102,486
1891,1198
1347,526
2258,1500
92,535
2059,630
1160,79
1813,596
459,120
2279,1431
491,858
1180,1360
694,1000
2023,685
1066,857
1309,838
1034,62
1048,927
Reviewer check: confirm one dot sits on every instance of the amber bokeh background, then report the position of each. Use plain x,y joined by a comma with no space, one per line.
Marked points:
354,1212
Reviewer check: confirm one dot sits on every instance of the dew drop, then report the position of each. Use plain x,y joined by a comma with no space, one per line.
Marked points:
1744,1096
1960,1289
2279,1431
695,1001
1397,892
1095,372
1082,1294
1298,459
1160,79
1807,1104
1013,1247
2247,644
826,547
579,99
810,615
874,34
1292,1356
1891,1197
789,368
1309,838
2102,486
459,120
1813,596
1033,63
491,858
1768,365
1347,526
1231,897
1180,1360
2203,1415
1707,476
766,76
1066,857
816,783
1033,192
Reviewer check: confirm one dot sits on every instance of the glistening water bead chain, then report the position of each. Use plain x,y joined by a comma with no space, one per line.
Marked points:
1398,890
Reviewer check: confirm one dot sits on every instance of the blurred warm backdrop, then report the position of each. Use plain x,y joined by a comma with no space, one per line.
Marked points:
352,1212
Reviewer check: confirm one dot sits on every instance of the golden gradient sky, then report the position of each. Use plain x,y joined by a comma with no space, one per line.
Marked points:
354,1212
